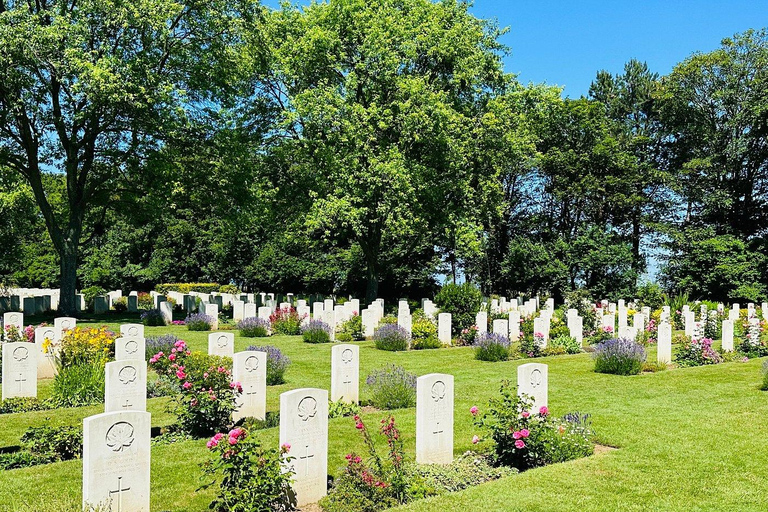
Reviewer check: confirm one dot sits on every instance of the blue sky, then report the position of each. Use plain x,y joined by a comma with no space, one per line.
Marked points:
565,43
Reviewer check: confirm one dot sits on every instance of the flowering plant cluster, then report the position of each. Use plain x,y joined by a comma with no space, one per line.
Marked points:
286,321
391,337
492,347
753,339
277,363
198,322
467,336
619,356
153,317
11,334
377,483
524,438
316,331
696,352
253,327
249,477
392,387
86,345
206,396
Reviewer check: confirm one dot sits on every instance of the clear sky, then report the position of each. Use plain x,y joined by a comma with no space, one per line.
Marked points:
566,43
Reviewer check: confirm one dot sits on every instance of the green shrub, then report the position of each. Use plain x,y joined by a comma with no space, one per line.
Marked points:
391,337
90,293
120,305
161,385
570,345
55,443
764,386
152,318
650,295
24,404
21,459
654,366
354,328
424,333
340,409
462,301
253,327
317,331
466,470
523,438
391,387
619,356
285,321
185,288
78,385
492,347
246,476
229,288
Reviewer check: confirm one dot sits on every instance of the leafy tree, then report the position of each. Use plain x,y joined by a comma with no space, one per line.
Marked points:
88,87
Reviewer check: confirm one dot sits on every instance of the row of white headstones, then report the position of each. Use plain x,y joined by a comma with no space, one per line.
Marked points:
116,444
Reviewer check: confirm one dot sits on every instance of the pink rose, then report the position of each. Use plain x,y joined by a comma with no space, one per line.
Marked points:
525,414
212,443
544,411
516,435
473,410
519,444
525,432
233,440
475,439
172,357
186,385
180,374
285,447
218,436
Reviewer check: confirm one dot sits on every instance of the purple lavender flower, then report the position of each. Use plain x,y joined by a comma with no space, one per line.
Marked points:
619,356
277,363
253,327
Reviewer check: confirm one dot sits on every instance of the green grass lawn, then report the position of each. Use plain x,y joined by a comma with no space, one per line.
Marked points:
689,439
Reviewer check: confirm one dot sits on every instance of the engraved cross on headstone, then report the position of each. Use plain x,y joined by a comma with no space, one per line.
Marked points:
20,379
306,458
127,404
437,432
119,491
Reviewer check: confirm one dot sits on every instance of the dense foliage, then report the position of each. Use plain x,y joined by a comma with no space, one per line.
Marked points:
365,148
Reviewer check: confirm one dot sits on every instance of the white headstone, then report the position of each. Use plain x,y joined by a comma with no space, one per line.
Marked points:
132,330
328,305
125,386
166,309
540,327
116,461
405,321
304,426
15,319
265,312
664,344
130,348
532,381
727,336
501,326
249,310
444,328
62,324
317,310
514,325
481,321
46,360
434,419
576,328
238,310
221,344
212,310
345,373
249,368
19,369
369,322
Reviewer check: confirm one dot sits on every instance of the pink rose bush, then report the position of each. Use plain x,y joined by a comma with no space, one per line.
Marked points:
206,396
248,476
524,438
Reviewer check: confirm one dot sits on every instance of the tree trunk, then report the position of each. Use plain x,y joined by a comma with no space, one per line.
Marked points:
372,286
68,284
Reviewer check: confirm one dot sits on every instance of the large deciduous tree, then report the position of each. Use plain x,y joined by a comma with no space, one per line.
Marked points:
89,87
379,103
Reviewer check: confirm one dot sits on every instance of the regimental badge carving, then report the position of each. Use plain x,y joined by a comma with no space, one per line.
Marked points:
20,353
346,355
536,378
133,331
127,374
65,324
221,342
438,391
14,319
307,408
251,364
50,335
131,347
119,436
